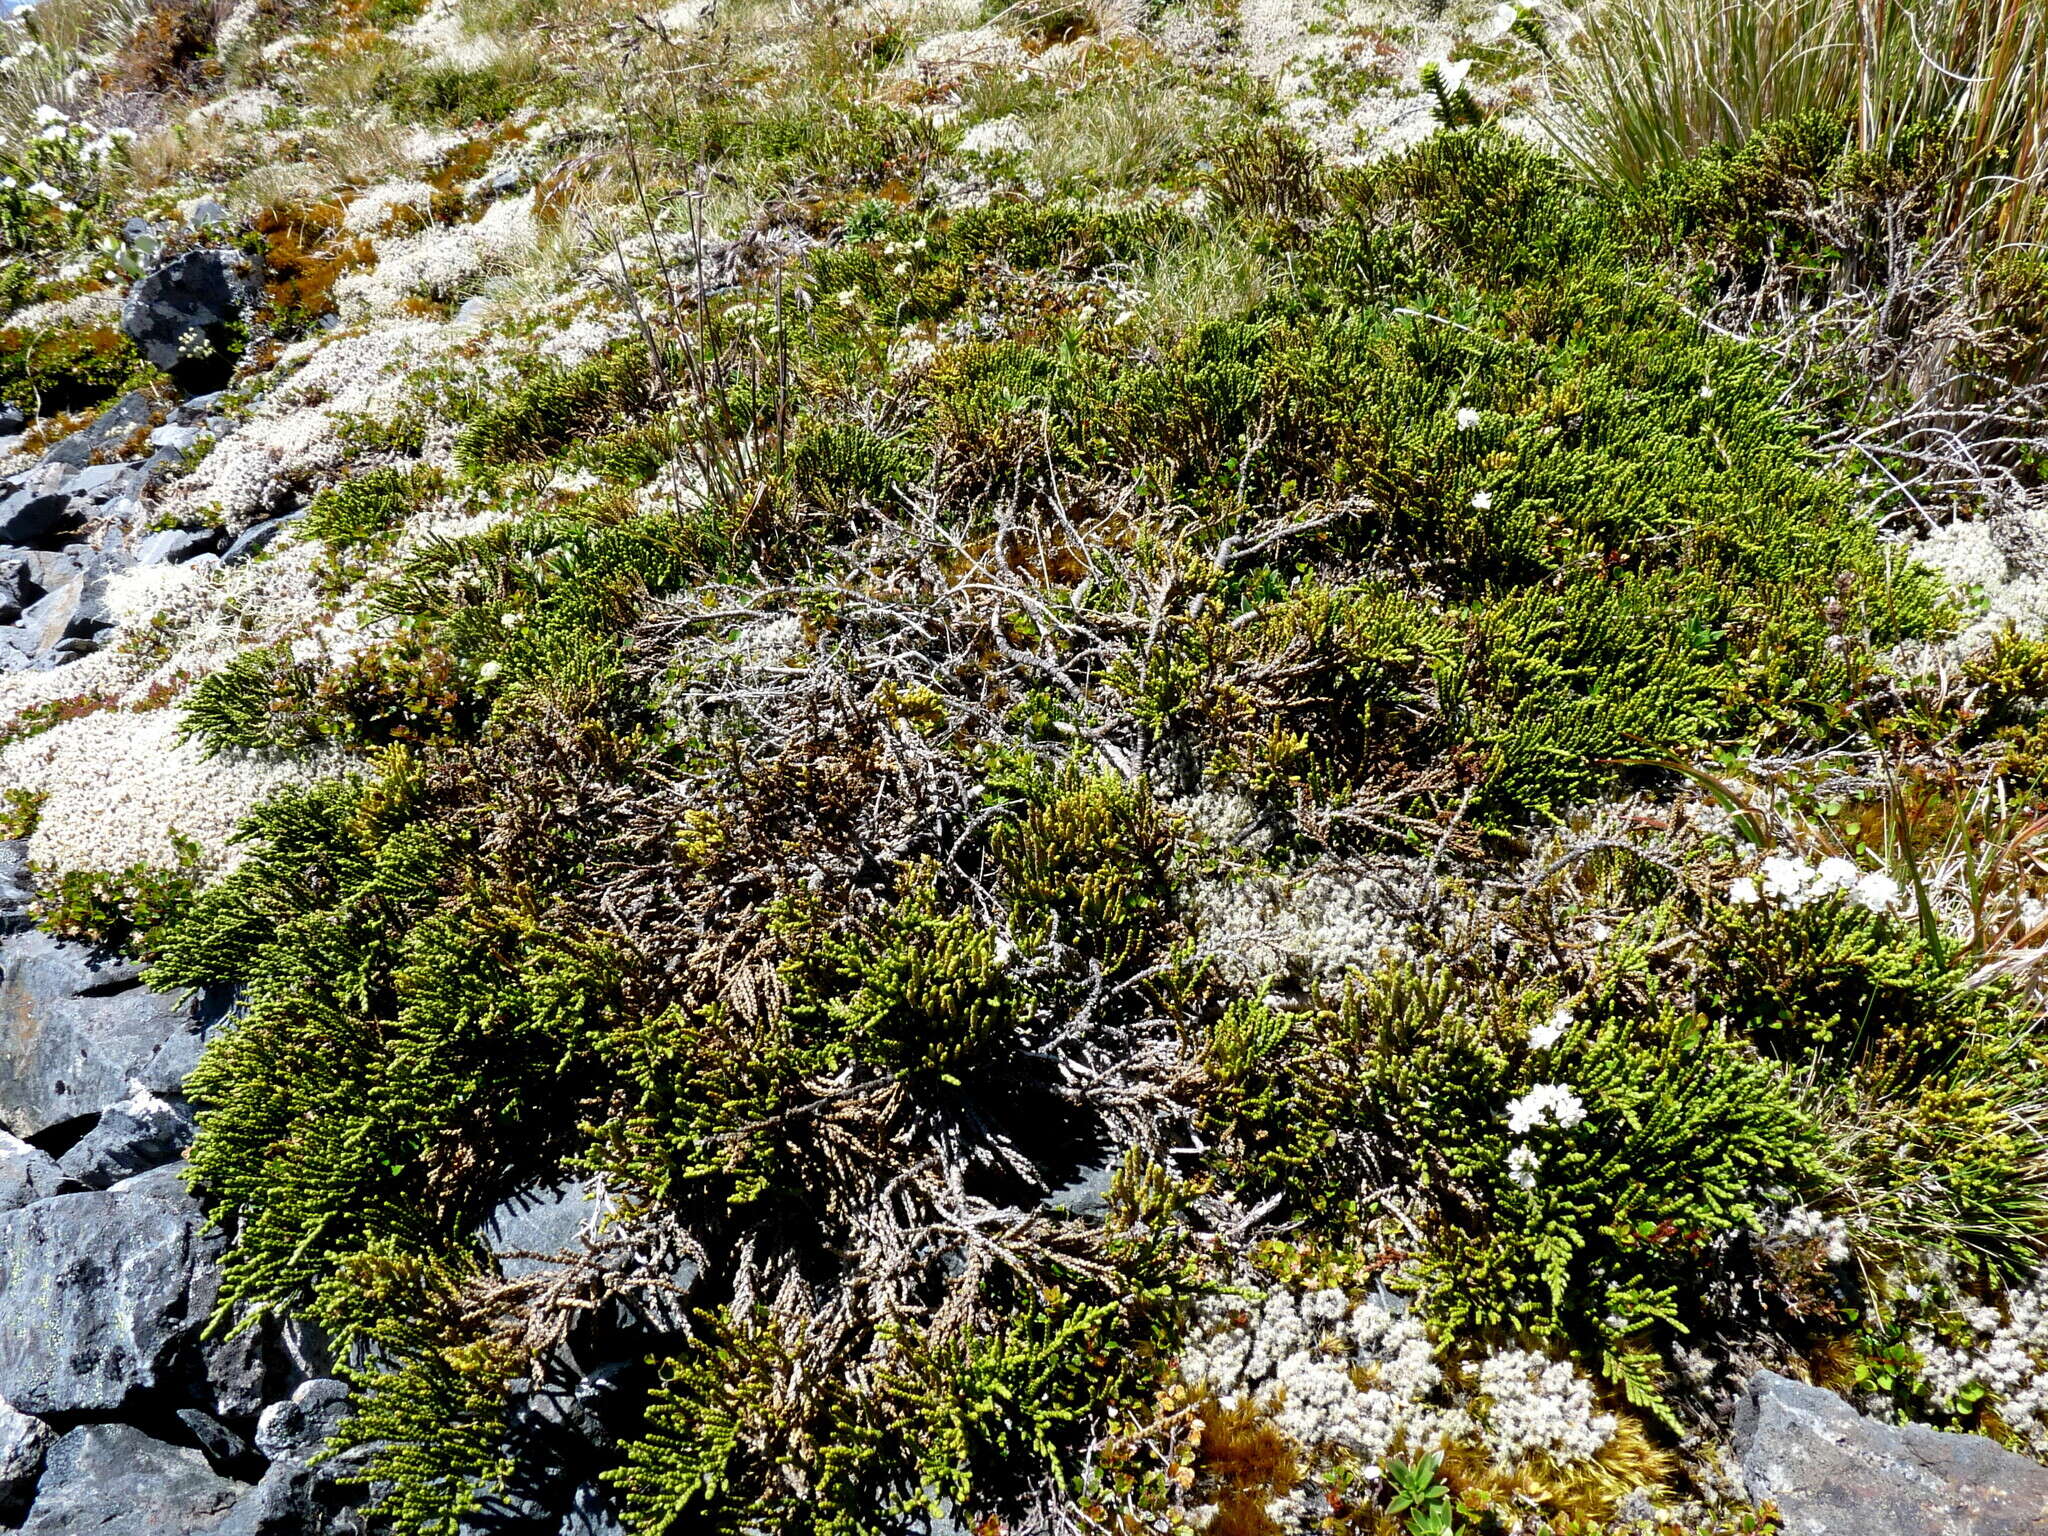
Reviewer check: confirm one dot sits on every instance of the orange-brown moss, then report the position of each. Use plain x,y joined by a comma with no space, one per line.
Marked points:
306,250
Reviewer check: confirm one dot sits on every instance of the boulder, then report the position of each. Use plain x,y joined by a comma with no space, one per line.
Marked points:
1833,1472
115,1479
251,542
108,435
75,1026
18,588
591,1514
17,885
24,1442
32,517
296,1495
27,1174
296,1428
95,1299
186,315
544,1219
142,1132
174,546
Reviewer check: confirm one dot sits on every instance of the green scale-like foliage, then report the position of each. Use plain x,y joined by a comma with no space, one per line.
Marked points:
1609,1240
1629,546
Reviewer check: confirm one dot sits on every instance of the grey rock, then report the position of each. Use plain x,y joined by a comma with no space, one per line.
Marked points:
198,405
296,1429
1087,1193
114,1478
103,1296
17,884
251,542
18,587
141,1132
95,479
166,1184
203,291
541,1220
30,516
69,620
298,1496
203,211
95,1299
12,418
175,438
27,1174
220,1445
590,1514
108,433
24,1442
75,1027
174,546
1832,1472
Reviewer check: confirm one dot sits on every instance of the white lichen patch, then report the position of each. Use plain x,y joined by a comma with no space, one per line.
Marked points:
123,788
2008,1359
289,442
1315,926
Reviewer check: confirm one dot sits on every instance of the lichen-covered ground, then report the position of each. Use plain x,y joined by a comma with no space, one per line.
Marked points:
1214,804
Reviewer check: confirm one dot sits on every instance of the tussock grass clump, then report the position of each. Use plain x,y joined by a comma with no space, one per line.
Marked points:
1652,82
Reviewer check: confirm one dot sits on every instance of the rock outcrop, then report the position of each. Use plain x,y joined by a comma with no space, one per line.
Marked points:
1833,1472
188,314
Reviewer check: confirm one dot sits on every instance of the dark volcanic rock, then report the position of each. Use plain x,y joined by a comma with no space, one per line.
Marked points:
108,434
186,314
24,1442
95,1299
27,1174
541,1220
1832,1472
591,1515
113,1478
142,1132
31,517
75,1027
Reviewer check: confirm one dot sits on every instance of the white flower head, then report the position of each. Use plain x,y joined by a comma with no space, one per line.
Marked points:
1743,892
1450,73
1546,1101
1878,891
1785,879
1833,875
1500,23
1468,418
1482,500
1522,1166
1543,1036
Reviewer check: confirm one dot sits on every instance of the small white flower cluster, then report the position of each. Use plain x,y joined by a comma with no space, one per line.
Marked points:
1793,883
2011,1361
1302,1354
1319,926
1546,1101
1800,1225
1536,1406
1543,1036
